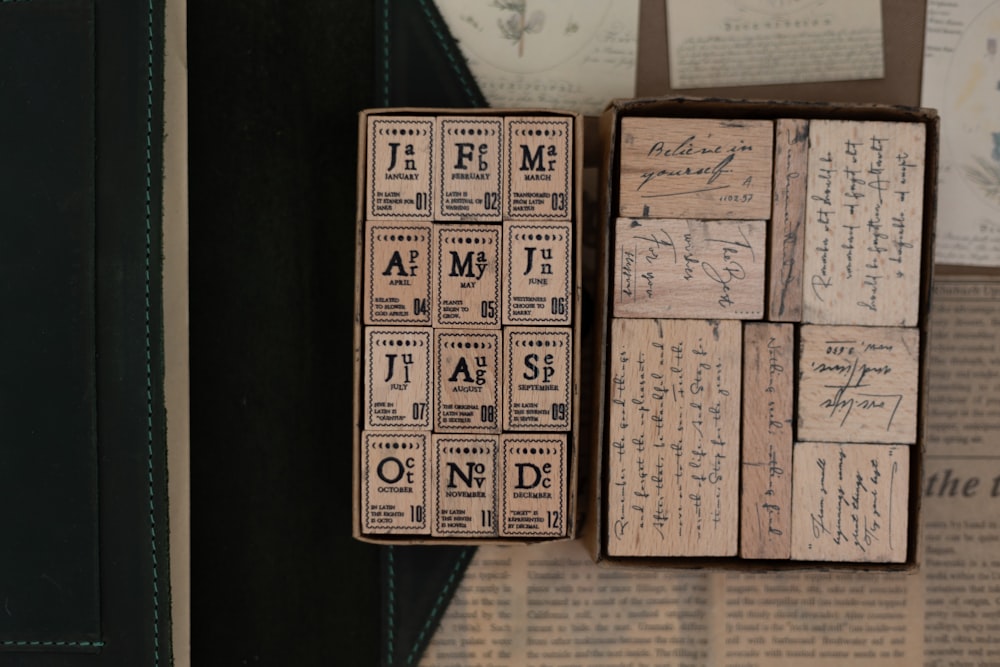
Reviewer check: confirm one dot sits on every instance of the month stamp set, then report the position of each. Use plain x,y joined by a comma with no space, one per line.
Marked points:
468,303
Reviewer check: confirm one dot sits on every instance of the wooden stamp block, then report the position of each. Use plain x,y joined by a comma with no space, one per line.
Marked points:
695,168
766,466
863,223
538,273
465,485
398,285
467,276
394,483
539,168
694,269
858,384
538,379
398,379
470,165
467,391
850,502
400,168
674,433
533,487
787,224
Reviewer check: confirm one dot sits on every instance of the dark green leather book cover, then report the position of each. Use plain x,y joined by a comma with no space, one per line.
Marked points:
84,565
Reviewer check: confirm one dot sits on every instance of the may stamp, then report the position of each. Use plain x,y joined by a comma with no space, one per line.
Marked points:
394,483
470,164
398,379
400,168
398,285
467,276
538,379
533,486
690,269
696,168
465,485
858,384
537,271
467,391
539,168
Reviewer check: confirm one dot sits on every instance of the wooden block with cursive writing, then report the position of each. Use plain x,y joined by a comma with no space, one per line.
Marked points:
467,276
467,391
398,272
863,223
695,168
533,485
470,168
850,502
538,379
858,384
538,181
537,273
400,178
787,225
394,483
465,485
398,378
674,429
766,463
695,269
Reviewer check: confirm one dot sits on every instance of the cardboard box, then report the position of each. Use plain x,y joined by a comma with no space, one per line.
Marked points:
600,495
407,206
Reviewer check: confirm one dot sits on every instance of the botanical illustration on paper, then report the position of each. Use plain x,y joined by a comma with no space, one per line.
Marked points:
517,25
972,124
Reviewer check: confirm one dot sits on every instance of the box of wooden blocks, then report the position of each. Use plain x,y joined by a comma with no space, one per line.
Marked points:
466,325
765,274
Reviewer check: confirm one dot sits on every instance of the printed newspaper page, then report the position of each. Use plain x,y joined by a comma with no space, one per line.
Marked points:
549,605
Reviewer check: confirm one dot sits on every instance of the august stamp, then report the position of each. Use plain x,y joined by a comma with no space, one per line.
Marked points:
467,391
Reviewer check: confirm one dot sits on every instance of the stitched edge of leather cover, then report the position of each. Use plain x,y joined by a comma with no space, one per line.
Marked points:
417,60
418,584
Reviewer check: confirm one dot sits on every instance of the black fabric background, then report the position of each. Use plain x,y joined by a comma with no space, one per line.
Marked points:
274,91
